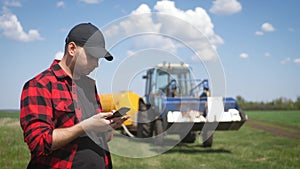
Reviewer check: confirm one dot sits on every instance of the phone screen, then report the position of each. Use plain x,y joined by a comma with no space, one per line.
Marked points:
119,113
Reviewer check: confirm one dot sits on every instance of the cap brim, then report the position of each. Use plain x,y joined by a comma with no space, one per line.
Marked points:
99,52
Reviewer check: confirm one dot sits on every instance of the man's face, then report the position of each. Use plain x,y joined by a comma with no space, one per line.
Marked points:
85,63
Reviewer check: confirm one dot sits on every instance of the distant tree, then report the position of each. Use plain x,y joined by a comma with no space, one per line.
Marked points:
297,103
280,103
241,101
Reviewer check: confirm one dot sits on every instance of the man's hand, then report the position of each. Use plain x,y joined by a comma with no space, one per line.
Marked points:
117,122
97,123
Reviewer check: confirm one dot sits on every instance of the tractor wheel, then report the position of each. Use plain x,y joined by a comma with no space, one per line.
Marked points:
207,138
144,127
158,127
144,130
158,131
189,138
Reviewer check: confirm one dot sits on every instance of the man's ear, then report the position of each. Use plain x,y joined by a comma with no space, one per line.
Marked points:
72,47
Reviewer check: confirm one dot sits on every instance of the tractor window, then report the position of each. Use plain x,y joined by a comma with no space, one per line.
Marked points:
183,79
162,79
180,75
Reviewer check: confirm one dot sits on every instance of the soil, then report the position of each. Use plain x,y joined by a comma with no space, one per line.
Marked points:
275,128
9,122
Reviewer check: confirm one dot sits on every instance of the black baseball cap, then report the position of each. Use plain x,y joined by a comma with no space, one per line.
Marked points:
90,38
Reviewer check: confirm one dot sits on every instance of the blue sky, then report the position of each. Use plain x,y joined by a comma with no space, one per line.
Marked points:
257,41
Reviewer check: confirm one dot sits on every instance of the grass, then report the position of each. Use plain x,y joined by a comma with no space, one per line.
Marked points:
291,118
246,148
14,152
12,114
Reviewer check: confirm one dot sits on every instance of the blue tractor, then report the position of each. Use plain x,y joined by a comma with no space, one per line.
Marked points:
176,103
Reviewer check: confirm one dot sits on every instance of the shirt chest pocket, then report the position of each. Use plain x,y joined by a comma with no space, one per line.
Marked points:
63,112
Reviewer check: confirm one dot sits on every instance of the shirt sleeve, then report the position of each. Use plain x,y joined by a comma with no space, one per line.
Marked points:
36,117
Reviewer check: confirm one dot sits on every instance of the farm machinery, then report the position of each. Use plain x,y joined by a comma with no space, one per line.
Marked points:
175,103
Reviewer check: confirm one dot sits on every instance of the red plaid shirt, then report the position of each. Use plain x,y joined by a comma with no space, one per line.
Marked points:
47,103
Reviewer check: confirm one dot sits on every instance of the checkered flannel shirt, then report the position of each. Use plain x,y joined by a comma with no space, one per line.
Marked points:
47,104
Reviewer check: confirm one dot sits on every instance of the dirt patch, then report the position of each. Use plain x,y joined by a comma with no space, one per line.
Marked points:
275,128
11,122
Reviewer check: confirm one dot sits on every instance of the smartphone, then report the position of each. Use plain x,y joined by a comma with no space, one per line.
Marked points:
119,113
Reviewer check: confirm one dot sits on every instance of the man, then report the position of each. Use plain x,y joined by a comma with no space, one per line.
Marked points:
60,108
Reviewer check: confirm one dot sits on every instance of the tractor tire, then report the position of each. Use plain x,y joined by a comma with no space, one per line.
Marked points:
189,138
158,131
207,138
144,128
158,127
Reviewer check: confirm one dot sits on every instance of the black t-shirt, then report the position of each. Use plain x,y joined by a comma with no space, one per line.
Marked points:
89,155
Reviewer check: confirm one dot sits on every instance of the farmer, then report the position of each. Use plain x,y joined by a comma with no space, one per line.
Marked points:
60,108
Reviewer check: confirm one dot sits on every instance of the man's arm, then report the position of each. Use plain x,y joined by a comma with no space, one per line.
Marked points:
36,119
97,123
63,136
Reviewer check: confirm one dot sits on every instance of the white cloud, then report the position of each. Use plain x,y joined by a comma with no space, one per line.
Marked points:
167,27
297,60
259,33
154,41
91,1
59,55
285,61
225,7
186,22
140,21
60,4
12,28
244,55
267,27
12,3
141,9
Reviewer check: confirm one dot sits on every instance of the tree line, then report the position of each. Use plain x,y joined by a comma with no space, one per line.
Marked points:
280,103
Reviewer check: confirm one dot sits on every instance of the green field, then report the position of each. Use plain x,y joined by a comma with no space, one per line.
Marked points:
281,117
246,148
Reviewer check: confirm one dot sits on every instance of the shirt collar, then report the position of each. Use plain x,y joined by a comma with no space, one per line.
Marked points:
57,70
61,74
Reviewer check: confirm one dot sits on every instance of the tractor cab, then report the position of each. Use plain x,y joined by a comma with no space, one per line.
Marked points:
174,83
174,80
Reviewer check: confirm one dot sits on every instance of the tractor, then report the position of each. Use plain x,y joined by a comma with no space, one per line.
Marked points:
175,103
